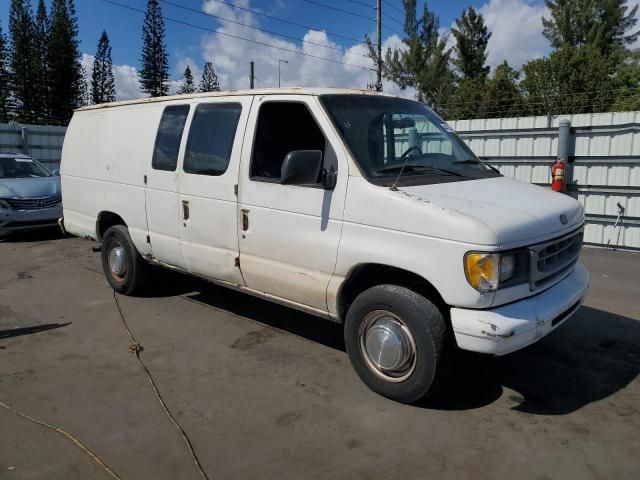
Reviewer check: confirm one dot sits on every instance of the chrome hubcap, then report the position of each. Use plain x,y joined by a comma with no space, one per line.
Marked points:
387,346
117,261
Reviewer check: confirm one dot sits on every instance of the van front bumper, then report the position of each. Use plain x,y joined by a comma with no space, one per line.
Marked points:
505,329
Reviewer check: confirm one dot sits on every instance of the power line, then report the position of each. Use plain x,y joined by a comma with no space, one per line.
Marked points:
387,27
392,18
364,4
544,98
301,25
391,5
330,7
296,52
558,106
271,32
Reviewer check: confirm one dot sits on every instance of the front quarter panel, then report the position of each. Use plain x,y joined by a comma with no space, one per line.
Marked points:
366,239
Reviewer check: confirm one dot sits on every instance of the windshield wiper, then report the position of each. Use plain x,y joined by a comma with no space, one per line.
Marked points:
476,162
415,168
470,160
397,168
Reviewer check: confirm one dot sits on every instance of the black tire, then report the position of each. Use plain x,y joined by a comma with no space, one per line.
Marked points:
135,276
427,326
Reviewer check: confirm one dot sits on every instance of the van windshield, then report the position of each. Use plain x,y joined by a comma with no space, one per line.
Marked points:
394,138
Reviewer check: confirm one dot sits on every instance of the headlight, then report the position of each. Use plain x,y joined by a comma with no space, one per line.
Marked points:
4,204
507,267
488,271
482,270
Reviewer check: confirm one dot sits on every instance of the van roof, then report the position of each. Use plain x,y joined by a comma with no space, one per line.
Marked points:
234,93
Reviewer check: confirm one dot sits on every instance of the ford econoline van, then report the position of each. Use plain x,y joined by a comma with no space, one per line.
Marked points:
359,207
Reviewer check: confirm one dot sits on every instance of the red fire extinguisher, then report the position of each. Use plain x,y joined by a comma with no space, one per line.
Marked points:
557,176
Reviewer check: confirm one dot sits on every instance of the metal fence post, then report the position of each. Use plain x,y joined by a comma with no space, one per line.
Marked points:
564,134
24,132
564,149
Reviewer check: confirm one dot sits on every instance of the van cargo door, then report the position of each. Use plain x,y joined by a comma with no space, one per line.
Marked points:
207,188
161,187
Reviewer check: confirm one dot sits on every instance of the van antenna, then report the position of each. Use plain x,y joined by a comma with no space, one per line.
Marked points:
393,185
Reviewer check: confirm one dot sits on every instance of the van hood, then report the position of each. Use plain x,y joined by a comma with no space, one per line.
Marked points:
29,187
518,212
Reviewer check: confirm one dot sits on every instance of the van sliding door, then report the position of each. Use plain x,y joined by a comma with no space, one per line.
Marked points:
207,188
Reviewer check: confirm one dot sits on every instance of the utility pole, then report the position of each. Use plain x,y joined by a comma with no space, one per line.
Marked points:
378,86
280,62
251,77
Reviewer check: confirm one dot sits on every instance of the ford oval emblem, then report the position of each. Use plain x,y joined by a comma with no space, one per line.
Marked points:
563,219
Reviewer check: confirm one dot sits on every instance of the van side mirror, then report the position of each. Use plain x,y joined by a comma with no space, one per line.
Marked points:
301,167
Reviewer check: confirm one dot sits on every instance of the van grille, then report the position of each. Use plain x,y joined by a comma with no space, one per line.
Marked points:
551,260
34,203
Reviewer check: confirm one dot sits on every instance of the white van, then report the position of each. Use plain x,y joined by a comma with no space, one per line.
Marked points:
359,207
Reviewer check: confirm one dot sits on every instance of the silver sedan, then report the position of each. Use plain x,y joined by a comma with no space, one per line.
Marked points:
30,195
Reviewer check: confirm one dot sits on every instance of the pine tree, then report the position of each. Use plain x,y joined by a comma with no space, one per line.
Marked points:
64,67
424,62
21,60
154,75
103,88
5,94
209,82
472,37
84,92
602,24
42,97
187,86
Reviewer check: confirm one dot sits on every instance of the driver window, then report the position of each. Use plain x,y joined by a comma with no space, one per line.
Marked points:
282,128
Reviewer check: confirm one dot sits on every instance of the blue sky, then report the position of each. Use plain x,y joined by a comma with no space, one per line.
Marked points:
516,25
124,27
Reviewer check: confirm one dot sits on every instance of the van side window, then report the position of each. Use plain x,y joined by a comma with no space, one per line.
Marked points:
165,152
213,130
282,127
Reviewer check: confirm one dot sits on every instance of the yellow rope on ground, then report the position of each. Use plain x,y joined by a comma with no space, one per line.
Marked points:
77,442
137,348
134,348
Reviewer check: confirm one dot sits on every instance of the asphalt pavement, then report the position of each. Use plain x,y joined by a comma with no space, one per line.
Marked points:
267,392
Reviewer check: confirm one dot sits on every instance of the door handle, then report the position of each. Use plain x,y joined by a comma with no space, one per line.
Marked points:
245,220
185,210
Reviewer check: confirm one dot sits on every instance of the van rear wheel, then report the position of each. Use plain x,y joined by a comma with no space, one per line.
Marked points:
124,267
397,342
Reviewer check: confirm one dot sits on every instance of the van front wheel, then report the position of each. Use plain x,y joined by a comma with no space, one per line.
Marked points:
397,342
124,267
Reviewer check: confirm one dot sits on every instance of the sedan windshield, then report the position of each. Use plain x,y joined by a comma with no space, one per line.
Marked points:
22,168
398,140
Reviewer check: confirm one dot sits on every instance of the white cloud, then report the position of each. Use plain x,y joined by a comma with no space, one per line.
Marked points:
516,27
632,4
183,63
231,56
126,78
